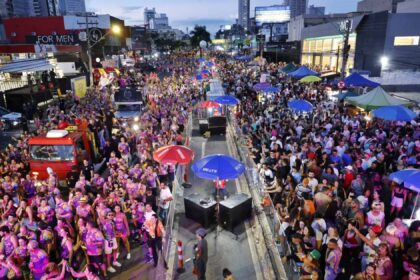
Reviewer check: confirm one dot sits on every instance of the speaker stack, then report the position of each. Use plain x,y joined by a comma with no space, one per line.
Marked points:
234,210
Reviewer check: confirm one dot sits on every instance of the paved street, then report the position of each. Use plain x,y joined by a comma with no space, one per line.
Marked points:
225,248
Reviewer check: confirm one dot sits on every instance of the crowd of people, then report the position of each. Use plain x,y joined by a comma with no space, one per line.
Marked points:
326,173
85,229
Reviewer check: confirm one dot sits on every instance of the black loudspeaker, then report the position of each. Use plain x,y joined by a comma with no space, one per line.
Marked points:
197,210
234,210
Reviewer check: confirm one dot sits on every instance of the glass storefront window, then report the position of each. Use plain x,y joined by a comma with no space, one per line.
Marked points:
318,47
327,44
406,40
312,46
326,62
305,48
337,42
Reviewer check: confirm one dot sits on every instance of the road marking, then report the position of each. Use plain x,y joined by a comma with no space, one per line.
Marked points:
203,148
255,259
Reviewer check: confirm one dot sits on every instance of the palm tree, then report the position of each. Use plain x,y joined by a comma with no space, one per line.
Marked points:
198,34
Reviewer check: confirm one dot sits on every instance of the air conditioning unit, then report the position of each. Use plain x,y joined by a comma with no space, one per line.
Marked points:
13,34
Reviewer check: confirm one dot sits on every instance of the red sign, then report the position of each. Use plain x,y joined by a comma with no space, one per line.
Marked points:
341,84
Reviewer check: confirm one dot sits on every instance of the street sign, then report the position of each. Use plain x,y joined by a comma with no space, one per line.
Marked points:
341,84
95,35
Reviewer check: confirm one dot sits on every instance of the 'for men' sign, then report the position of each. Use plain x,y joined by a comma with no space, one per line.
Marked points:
68,39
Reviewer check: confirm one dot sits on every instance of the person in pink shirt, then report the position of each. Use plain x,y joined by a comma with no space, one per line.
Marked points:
94,242
38,260
122,229
111,245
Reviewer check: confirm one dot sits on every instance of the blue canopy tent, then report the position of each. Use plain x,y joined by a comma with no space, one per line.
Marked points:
303,71
344,94
300,106
357,80
394,113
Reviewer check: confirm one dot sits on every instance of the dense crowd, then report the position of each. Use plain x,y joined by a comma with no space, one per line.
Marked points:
83,230
326,173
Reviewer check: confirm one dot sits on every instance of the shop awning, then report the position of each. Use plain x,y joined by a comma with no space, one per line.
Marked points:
31,65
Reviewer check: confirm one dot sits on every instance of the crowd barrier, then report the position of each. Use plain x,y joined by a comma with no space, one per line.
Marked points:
270,212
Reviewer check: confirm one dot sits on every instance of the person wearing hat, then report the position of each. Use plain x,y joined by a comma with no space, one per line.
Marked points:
201,254
371,243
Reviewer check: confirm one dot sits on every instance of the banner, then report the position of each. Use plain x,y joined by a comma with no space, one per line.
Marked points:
78,85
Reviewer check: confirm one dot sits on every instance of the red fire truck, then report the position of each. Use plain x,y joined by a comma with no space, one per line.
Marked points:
60,150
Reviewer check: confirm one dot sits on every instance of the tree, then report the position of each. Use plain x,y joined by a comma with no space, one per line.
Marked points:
198,34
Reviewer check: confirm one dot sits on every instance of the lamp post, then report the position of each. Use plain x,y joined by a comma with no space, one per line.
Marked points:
115,29
203,45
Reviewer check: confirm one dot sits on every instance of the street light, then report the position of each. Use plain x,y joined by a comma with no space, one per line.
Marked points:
115,29
384,62
203,45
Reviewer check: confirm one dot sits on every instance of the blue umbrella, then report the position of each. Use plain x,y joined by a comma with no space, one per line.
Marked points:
201,60
261,86
271,90
400,176
413,182
394,113
199,77
205,72
227,100
210,64
218,167
300,105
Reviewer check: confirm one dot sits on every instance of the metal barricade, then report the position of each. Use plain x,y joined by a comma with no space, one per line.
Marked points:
255,181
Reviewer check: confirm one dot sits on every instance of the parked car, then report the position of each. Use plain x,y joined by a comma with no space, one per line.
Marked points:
9,120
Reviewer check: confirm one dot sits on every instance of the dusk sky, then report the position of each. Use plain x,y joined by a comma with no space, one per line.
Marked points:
187,13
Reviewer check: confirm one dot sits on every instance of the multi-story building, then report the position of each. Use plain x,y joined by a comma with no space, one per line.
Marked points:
45,8
409,6
372,36
16,8
375,6
297,7
149,14
160,21
243,13
71,7
315,11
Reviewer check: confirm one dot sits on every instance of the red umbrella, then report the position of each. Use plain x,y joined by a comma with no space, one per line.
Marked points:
173,154
209,104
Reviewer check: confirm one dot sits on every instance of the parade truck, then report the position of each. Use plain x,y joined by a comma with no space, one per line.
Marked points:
129,105
62,149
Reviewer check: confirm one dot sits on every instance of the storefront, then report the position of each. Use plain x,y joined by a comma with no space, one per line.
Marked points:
325,53
323,44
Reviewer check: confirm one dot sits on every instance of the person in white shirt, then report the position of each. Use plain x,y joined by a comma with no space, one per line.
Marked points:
165,197
148,213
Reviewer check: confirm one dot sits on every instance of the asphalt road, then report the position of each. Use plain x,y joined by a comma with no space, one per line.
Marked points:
226,249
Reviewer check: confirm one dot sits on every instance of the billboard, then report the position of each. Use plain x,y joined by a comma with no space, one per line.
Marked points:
271,14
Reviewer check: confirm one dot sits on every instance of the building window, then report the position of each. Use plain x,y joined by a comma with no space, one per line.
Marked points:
406,40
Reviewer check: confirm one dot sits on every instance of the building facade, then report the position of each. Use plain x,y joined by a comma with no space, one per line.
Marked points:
375,6
322,45
297,7
148,15
16,8
315,11
72,7
396,37
160,21
409,6
244,13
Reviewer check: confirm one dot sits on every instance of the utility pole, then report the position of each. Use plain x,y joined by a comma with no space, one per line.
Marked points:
89,47
346,29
